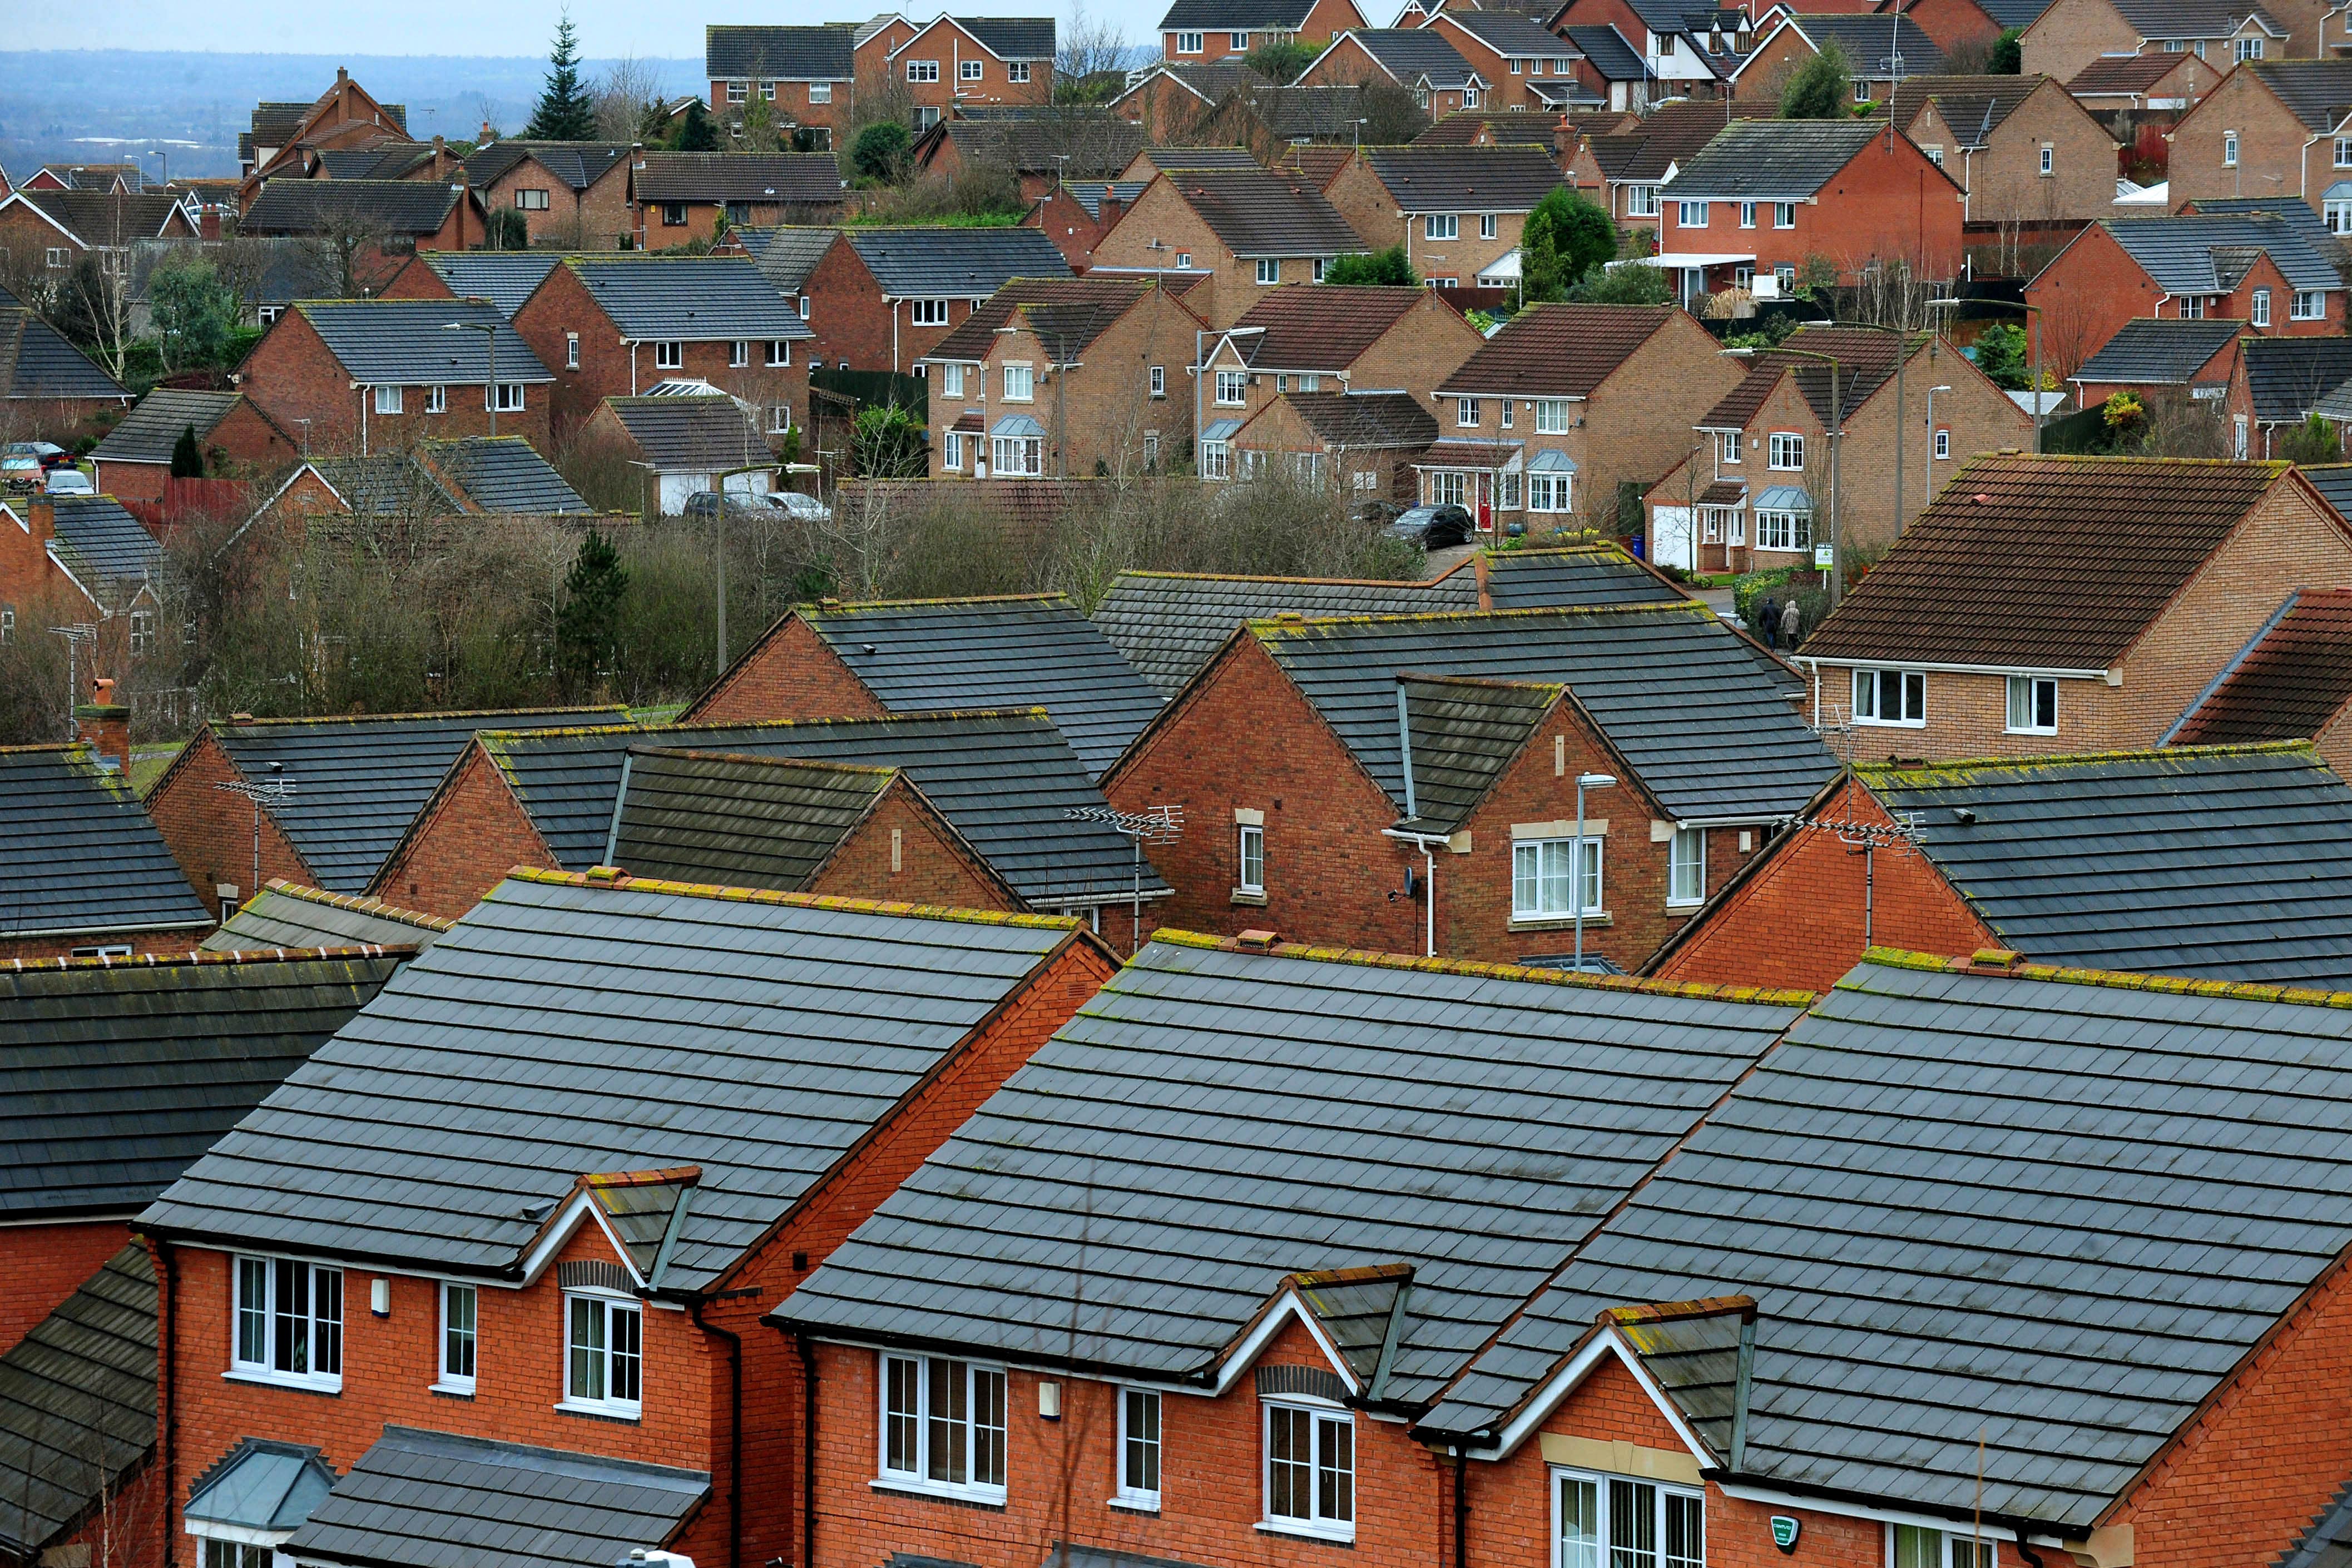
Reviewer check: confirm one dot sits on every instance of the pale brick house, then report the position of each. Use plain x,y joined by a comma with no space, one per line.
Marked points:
1528,66
2015,617
1458,211
1424,63
1362,444
2070,34
1880,51
2271,131
2022,149
1250,229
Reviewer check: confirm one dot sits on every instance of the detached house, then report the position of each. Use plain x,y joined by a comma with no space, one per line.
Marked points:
1363,444
2070,34
52,230
565,1342
1765,196
1322,766
1528,66
88,558
2153,358
953,61
1066,376
1568,403
367,227
2272,130
504,278
347,375
882,298
807,76
1681,48
616,325
1880,49
1250,230
573,196
477,477
1424,63
1963,854
282,137
2281,381
1635,161
2022,149
134,459
1206,30
2061,650
89,874
679,197
48,387
1458,211
2163,83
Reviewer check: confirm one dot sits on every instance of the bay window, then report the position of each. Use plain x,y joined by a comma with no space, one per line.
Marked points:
943,1424
1547,874
1783,531
1310,1470
1614,1522
604,1355
289,1321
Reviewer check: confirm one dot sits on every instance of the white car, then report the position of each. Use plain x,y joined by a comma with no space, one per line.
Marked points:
807,508
68,481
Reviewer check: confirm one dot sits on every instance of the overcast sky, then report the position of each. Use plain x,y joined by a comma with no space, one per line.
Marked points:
608,27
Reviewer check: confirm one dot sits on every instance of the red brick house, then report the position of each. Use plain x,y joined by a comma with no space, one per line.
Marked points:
53,391
1528,66
2289,681
1633,162
807,75
1424,63
87,560
367,229
2063,652
351,375
2155,358
235,436
1880,51
573,195
591,1314
2256,267
677,198
1197,31
1766,196
59,228
881,299
614,325
282,136
1040,144
1252,1408
1332,774
953,61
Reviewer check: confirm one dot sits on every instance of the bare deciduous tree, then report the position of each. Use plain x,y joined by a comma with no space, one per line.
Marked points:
626,98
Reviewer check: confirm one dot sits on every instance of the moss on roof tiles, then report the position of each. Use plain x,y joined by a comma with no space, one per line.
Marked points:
804,900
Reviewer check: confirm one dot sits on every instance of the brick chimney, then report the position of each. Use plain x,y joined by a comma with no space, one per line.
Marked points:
106,726
41,513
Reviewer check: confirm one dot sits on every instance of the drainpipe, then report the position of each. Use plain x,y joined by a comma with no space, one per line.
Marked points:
893,337
633,367
734,1432
1462,1507
168,1332
808,1451
363,393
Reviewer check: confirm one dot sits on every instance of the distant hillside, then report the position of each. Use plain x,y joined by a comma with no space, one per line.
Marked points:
108,105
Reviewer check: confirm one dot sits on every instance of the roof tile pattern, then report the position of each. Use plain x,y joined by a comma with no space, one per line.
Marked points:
1167,624
78,854
695,434
698,298
791,179
408,342
1558,351
2162,351
291,206
1528,579
77,1403
107,550
1759,159
504,278
1266,213
150,431
1316,327
821,53
707,817
1510,178
36,362
959,263
1463,734
285,915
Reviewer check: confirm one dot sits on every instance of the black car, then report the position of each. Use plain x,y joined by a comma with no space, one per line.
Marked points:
1434,528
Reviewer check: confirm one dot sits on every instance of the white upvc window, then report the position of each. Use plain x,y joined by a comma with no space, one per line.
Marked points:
2250,49
531,201
1188,43
460,1305
951,379
2049,160
2306,305
510,397
1310,1469
1784,214
1747,215
387,399
922,70
1784,530
1269,270
1691,215
1728,448
1310,381
603,1363
1891,697
1686,867
2033,705
739,353
288,1322
2229,149
2192,308
1549,492
1020,456
1232,387
1548,874
779,352
2262,315
927,313
1640,201
670,356
1486,225
1441,226
142,632
943,1426
951,456
1509,409
1943,444
1616,1522
1237,42
1016,70
738,91
967,70
436,400
2344,152
780,418
1507,489
1785,450
1183,261
218,1554
1448,488
1020,383
1217,460
820,92
1911,1546
1139,1447
1552,416
1467,413
1250,855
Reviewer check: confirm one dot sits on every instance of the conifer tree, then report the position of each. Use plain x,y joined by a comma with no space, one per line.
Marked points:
565,111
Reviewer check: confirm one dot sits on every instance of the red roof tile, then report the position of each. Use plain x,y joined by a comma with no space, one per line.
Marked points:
2288,682
1558,351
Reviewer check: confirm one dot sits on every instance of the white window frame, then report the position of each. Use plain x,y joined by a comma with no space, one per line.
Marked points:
1269,270
979,1379
2229,149
2248,49
951,379
1025,381
2029,697
670,356
1687,868
509,397
2307,305
1441,226
970,70
738,91
1784,214
387,399
1217,460
1943,444
1691,215
820,92
322,1335
531,201
1550,490
1780,531
1249,855
779,352
436,400
739,353
2344,152
1237,42
1467,413
2261,308
1602,1547
952,455
1747,215
927,312
1510,409
1784,452
219,1552
1531,874
2192,308
1929,1548
780,418
612,1366
1189,43
1232,388
1910,690
1016,70
1640,201
1330,1511
1027,455
1487,225
923,70
1729,450
458,1337
1552,416
142,632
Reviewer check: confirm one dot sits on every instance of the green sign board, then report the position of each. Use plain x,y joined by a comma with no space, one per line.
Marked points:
1784,1533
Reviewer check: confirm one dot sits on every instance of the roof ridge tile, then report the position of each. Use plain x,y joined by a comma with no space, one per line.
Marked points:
714,891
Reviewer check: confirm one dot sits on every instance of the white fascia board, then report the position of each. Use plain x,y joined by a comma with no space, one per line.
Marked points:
1892,664
1610,1340
559,1231
1244,1354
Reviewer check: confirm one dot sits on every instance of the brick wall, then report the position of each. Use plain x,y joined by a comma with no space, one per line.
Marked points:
1100,412
1952,22
1799,921
1160,229
790,674
2004,179
292,376
210,831
904,852
2272,158
2070,34
463,843
44,1264
175,941
1886,203
855,327
598,218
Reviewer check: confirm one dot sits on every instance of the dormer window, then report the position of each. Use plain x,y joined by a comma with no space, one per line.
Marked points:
1310,1470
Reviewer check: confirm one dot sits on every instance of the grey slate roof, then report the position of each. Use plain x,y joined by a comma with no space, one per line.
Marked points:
77,1403
107,550
554,1033
791,179
1606,48
404,207
694,434
2288,376
1415,54
504,278
408,342
821,53
119,1074
737,821
1012,38
260,1484
1024,651
283,914
2056,1213
1763,160
1464,733
110,218
1235,15
2328,1543
36,362
2162,351
1681,697
423,1499
1868,40
696,299
1089,194
149,431
961,263
1424,179
2226,862
78,854
503,473
1065,140
1511,33
2316,91
787,255
1214,1121
1525,579
1264,213
1167,623
1006,782
579,165
2180,254
359,781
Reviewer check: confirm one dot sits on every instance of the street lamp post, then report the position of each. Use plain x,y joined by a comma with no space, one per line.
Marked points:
490,331
1576,890
2032,310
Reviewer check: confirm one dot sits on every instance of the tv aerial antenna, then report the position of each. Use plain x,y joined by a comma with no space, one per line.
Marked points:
1160,825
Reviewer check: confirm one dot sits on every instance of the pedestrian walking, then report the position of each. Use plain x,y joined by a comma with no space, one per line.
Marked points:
1789,619
1771,622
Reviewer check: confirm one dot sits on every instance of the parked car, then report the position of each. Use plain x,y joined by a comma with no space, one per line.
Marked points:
22,463
1434,528
703,504
63,481
1380,511
806,508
